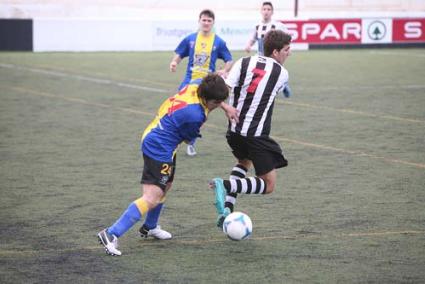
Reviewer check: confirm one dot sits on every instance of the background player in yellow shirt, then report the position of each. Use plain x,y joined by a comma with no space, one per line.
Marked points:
202,48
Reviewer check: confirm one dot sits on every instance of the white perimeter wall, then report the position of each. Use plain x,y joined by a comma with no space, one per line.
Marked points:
91,35
127,35
143,25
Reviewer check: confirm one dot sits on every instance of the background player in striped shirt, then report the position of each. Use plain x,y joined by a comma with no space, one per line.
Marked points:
202,48
265,25
255,81
178,119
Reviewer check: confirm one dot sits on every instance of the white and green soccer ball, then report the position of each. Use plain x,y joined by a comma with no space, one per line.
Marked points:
237,226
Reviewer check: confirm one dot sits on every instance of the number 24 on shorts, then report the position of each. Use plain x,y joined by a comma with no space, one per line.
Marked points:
166,169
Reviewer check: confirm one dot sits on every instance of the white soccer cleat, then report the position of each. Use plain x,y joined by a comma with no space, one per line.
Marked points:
109,242
157,233
190,150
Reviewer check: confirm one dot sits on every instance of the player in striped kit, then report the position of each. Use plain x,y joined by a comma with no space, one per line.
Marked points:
255,81
260,31
265,25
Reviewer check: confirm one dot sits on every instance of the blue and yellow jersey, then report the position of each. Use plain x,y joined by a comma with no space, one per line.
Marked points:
203,52
179,119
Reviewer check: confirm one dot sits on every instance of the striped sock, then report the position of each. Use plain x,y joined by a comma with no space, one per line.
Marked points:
251,185
238,172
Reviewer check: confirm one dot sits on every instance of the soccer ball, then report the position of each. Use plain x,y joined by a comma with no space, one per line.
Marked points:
237,226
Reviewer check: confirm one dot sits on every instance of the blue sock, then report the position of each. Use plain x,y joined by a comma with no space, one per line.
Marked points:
192,142
126,221
152,217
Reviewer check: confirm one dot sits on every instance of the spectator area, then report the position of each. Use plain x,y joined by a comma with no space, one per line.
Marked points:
166,9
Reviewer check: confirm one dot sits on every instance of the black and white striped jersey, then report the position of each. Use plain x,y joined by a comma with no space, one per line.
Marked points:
260,31
255,82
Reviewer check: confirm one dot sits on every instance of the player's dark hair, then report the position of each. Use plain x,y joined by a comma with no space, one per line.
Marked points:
275,39
207,12
213,87
267,3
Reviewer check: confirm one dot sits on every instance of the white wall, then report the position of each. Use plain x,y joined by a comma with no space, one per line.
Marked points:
127,35
91,35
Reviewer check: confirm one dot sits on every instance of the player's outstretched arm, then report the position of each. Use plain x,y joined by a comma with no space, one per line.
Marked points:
249,45
174,62
225,71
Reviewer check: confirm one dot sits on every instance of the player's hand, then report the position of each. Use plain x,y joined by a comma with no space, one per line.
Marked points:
173,66
248,49
222,73
231,112
233,115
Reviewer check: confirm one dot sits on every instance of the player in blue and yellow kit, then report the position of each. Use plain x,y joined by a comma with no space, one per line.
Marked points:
202,48
179,119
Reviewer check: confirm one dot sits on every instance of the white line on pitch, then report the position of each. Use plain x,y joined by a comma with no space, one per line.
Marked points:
394,53
83,78
350,111
157,90
293,141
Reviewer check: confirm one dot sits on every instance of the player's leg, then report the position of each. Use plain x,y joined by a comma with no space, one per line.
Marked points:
190,150
287,92
154,180
263,183
248,185
252,185
241,153
108,237
150,226
224,200
239,171
266,156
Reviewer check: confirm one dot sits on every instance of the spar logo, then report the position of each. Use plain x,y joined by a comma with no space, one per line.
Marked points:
409,30
325,31
376,30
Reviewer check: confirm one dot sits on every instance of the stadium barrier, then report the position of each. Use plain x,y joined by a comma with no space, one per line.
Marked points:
16,34
137,35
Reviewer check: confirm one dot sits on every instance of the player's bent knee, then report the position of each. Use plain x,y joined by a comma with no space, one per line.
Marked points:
151,202
270,180
269,189
152,195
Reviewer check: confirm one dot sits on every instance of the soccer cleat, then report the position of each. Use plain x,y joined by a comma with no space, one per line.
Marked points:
220,194
109,242
190,150
157,233
220,218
